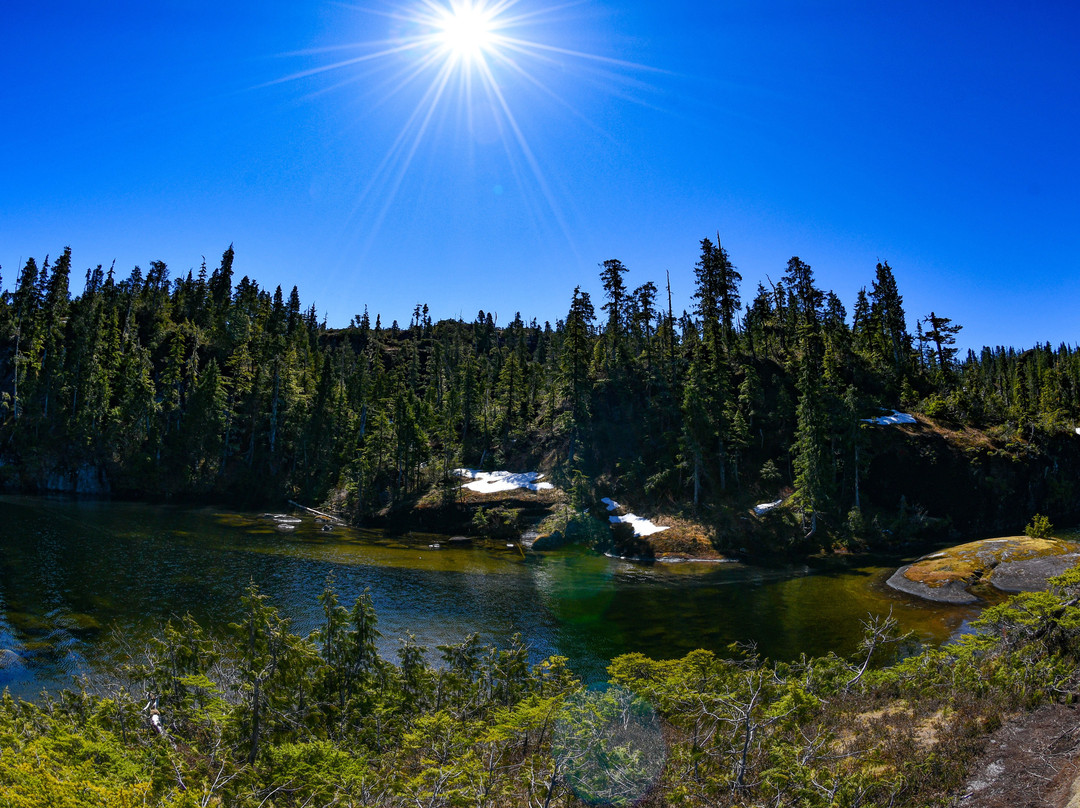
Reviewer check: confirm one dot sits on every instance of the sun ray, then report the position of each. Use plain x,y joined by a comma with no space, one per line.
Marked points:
433,94
396,154
439,87
526,76
367,57
527,46
471,54
526,151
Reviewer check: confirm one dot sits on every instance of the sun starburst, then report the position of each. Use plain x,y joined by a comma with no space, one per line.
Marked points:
466,31
464,55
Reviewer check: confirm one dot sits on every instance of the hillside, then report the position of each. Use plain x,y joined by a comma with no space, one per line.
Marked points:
205,388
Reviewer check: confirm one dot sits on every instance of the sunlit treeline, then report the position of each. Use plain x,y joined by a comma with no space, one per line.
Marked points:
201,384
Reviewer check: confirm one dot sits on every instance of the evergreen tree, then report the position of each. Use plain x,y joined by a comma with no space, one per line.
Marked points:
54,312
812,478
942,333
574,363
889,336
717,295
799,278
616,307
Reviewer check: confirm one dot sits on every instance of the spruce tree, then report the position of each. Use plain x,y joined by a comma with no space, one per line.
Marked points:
716,293
942,333
812,479
574,363
616,307
887,323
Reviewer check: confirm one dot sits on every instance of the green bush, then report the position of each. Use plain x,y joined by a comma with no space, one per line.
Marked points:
497,523
935,407
1039,528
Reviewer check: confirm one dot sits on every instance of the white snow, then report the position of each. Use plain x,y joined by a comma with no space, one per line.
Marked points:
767,506
1078,430
494,482
897,417
642,526
668,560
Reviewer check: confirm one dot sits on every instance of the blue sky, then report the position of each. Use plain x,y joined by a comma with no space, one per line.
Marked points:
939,137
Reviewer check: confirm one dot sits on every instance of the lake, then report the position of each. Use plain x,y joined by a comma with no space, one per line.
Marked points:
77,576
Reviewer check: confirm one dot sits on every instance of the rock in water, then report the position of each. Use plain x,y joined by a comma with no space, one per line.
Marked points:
1011,564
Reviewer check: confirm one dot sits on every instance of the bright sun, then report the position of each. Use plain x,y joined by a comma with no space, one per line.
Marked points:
466,31
463,55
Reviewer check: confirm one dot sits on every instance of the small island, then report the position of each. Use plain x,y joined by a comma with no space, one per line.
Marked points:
1008,564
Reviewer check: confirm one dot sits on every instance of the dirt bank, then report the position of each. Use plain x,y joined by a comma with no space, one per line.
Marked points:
1032,761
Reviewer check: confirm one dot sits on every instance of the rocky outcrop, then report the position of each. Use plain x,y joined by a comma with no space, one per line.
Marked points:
86,479
944,592
54,477
973,482
1010,564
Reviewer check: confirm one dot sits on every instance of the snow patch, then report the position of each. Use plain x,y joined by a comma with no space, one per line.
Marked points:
680,560
897,417
494,482
642,526
765,507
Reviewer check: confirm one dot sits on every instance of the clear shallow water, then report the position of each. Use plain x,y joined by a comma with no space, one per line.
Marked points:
75,574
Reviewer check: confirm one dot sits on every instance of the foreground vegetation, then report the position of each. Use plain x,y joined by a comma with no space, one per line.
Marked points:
200,386
264,717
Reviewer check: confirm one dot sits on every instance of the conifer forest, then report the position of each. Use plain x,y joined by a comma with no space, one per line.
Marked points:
202,387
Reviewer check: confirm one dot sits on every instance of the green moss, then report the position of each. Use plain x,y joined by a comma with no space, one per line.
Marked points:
24,621
78,621
968,563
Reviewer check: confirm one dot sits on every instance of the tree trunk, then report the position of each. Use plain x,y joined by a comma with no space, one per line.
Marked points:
857,477
697,479
255,721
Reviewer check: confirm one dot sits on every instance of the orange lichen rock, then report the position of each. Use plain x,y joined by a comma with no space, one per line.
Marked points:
1011,563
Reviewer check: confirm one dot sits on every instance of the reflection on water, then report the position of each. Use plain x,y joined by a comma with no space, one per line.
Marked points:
74,576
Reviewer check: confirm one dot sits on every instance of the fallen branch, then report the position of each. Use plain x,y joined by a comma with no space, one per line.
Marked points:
331,517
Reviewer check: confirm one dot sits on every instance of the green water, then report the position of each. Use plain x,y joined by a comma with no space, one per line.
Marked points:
79,580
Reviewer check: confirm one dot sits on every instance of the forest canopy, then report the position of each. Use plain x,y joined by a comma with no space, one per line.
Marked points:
205,385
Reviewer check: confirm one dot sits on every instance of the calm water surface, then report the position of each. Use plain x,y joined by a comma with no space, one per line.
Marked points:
76,575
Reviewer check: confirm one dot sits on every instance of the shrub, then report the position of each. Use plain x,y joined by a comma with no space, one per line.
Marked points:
497,523
935,407
1039,528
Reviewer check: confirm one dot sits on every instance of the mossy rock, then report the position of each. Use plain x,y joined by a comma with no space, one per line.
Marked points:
1011,564
78,621
567,527
24,621
550,541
